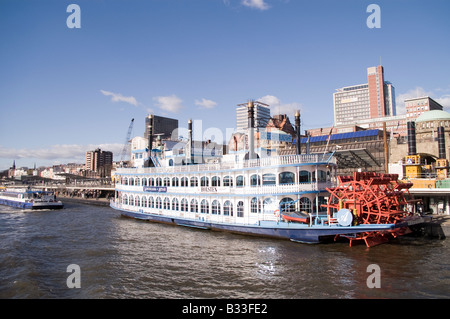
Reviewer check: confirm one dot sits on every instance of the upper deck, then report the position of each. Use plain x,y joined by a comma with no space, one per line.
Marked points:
268,162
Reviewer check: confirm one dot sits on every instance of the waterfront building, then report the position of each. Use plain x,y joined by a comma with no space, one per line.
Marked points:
261,117
162,126
426,138
99,161
370,100
417,106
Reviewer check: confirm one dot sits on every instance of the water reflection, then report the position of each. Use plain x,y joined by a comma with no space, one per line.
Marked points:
125,258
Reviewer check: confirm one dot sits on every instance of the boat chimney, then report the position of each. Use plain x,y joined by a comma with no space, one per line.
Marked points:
150,138
251,125
441,142
189,151
297,129
412,138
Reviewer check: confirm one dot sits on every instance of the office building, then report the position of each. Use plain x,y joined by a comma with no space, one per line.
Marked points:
162,126
374,99
99,161
262,116
417,106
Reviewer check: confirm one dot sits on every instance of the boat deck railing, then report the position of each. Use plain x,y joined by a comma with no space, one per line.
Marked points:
260,162
246,190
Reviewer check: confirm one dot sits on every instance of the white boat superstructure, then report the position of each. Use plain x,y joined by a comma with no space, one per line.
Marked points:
27,198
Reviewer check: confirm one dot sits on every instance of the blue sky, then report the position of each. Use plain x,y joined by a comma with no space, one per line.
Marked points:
64,91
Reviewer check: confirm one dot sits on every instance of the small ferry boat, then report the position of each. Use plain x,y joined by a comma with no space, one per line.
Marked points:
257,192
26,198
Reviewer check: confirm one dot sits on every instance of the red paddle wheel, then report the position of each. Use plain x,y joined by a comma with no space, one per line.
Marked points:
373,198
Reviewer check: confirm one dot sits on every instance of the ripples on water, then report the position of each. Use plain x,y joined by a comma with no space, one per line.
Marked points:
125,258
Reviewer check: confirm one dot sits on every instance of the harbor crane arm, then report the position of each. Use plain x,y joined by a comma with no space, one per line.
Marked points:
127,141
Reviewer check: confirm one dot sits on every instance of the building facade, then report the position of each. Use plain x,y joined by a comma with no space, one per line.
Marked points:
162,126
262,116
371,100
99,161
417,106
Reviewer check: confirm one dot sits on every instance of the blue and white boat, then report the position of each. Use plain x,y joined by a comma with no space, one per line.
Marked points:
26,198
255,192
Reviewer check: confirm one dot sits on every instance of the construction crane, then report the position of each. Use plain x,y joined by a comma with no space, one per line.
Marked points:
127,141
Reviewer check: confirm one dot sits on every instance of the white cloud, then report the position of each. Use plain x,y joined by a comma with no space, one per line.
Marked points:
256,4
204,103
117,97
444,100
277,107
169,103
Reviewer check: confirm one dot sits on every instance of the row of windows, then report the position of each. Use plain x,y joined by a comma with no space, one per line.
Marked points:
227,209
228,181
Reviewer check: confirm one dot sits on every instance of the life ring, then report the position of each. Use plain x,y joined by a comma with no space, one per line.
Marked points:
276,213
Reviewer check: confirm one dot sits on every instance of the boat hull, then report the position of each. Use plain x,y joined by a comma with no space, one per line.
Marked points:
31,206
291,231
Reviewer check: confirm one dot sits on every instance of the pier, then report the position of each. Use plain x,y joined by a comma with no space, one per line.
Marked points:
92,193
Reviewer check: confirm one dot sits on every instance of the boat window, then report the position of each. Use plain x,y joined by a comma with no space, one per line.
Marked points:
204,181
175,182
287,205
240,209
269,206
138,181
175,204
166,203
194,181
194,206
166,181
269,179
144,200
322,201
215,181
304,177
255,180
322,176
125,199
137,201
151,202
144,182
240,181
305,205
184,182
184,205
287,178
215,207
131,200
131,181
158,202
228,208
228,181
255,205
158,181
204,207
152,182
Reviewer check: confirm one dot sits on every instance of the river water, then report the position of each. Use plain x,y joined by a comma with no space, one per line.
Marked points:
125,258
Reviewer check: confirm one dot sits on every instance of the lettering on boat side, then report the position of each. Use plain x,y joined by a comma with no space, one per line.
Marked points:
235,308
205,189
155,189
74,279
